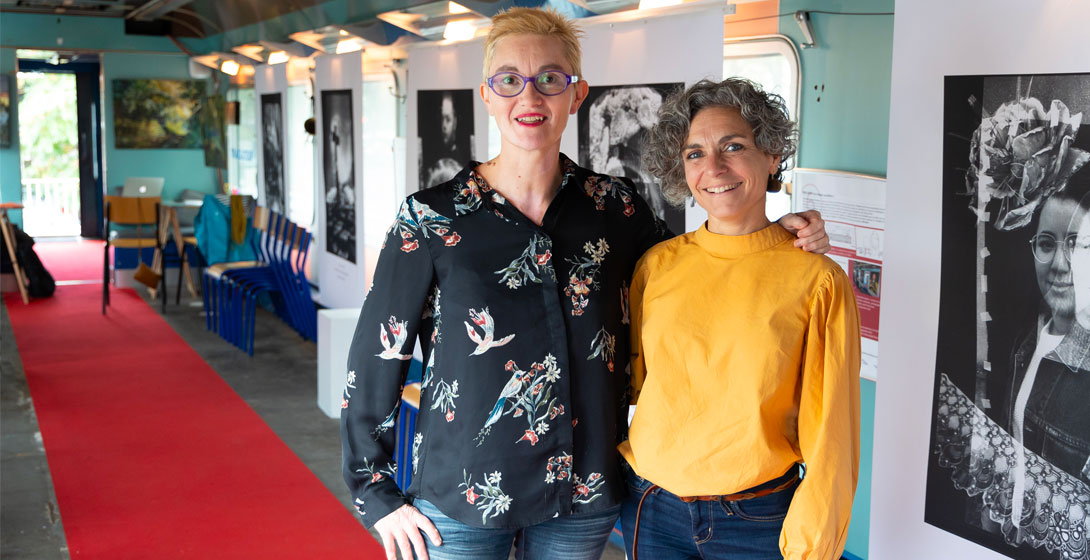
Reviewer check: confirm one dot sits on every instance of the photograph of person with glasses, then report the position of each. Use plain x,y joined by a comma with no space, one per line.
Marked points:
1050,396
514,276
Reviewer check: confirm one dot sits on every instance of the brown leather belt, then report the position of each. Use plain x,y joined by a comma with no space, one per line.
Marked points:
743,495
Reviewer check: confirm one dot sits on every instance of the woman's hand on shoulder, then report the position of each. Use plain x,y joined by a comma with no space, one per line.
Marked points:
810,229
402,527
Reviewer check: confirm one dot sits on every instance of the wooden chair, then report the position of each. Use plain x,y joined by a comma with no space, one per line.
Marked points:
129,211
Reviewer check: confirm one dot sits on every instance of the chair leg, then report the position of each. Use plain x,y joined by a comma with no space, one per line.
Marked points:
105,276
163,284
181,268
207,308
250,316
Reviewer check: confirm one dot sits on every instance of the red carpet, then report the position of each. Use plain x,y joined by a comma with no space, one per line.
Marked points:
152,454
71,260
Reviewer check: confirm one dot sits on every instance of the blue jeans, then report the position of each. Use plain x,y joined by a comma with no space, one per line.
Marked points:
574,537
671,529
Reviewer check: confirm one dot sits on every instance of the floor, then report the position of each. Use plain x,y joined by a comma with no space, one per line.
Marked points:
279,383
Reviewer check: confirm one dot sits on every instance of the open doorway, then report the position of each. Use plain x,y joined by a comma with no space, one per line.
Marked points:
59,143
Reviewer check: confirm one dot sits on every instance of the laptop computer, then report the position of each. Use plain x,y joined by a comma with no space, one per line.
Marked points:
143,187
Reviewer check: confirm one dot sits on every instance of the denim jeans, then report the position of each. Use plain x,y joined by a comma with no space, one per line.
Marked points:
574,537
671,529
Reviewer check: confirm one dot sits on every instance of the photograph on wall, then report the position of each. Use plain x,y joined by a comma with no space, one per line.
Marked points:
157,114
613,122
5,111
1009,460
338,149
272,146
213,125
444,124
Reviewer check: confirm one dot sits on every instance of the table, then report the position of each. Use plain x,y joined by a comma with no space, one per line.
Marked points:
170,228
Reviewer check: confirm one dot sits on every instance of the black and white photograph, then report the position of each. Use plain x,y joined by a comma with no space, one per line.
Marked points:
338,150
613,122
1009,460
444,123
272,139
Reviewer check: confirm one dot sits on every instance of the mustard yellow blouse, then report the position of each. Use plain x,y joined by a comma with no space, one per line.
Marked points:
745,360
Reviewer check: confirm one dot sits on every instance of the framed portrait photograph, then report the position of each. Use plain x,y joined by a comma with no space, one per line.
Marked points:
338,153
445,127
1009,461
613,122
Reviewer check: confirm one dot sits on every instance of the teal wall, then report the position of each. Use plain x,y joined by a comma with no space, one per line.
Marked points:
37,31
127,56
845,127
11,189
182,169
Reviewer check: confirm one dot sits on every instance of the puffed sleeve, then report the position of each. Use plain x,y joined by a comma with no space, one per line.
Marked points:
816,526
378,363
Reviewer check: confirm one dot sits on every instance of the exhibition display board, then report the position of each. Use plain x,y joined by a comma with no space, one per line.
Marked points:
981,413
338,178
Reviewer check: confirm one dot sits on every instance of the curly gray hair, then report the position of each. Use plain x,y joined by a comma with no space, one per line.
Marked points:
773,130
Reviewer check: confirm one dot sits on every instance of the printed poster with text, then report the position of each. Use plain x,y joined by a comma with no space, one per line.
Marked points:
854,209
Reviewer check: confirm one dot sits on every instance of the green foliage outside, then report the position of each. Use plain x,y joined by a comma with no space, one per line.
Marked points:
48,135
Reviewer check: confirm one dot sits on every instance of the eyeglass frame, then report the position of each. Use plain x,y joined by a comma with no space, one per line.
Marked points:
571,79
1067,246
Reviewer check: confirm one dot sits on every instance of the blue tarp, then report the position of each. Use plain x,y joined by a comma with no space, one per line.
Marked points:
213,230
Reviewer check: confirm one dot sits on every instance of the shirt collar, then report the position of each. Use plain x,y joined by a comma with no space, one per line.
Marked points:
1074,350
741,245
471,186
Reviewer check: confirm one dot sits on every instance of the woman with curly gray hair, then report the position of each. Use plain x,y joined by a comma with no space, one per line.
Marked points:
745,353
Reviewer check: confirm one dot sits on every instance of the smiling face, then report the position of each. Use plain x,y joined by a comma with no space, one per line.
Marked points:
1054,276
727,174
531,121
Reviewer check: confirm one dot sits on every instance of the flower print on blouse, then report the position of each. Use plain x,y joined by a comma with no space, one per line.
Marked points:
529,367
584,271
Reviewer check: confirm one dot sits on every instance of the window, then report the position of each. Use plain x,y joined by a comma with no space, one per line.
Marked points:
242,161
300,166
772,62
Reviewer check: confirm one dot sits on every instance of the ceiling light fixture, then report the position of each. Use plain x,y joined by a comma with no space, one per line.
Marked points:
652,4
456,8
277,57
460,30
229,67
349,45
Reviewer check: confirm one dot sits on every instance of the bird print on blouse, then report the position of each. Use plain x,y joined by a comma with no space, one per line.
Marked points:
484,320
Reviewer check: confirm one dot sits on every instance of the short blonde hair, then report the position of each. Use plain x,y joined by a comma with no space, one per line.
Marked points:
535,21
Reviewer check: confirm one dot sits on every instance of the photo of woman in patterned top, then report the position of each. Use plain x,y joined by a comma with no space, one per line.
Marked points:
514,277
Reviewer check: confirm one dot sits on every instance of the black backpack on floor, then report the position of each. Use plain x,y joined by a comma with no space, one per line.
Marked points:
39,281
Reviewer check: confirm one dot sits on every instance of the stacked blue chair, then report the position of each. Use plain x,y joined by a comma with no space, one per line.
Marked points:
233,291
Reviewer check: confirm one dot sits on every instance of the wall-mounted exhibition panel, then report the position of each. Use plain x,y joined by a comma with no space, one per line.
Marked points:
982,417
339,177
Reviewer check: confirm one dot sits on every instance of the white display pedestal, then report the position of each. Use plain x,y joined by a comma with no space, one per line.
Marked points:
335,329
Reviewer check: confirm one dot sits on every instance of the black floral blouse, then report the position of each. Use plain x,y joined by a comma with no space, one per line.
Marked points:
525,339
